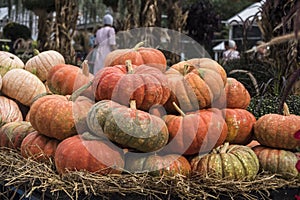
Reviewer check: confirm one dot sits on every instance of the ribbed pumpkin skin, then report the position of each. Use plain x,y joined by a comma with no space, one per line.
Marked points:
9,61
128,127
240,124
139,56
237,162
195,132
22,85
38,147
58,117
235,95
76,153
64,79
277,131
277,161
194,84
9,111
156,165
13,133
147,85
41,63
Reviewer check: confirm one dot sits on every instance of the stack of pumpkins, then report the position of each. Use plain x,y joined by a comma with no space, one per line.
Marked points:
276,152
135,115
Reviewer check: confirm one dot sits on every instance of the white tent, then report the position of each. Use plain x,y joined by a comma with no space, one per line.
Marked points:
247,14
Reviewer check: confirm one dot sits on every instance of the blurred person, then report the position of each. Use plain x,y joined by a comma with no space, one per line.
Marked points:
231,52
105,42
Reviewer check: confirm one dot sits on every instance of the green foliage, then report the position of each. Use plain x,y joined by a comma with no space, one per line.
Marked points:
14,31
260,106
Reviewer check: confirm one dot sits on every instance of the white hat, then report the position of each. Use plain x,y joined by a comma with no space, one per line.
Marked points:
231,44
108,19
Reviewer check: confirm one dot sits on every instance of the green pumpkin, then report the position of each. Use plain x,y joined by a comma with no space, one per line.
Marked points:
127,127
234,162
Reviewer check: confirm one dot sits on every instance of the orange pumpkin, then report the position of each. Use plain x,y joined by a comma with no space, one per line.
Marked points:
194,84
235,95
195,132
64,79
88,153
60,116
277,131
38,147
122,83
13,133
240,124
138,56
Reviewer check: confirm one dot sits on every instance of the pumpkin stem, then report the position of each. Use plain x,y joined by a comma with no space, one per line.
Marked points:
39,96
185,69
85,68
90,136
132,104
35,52
224,148
178,109
77,92
138,45
286,111
129,66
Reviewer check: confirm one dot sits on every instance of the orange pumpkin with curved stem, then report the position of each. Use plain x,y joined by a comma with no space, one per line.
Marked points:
195,132
138,56
277,131
122,83
194,84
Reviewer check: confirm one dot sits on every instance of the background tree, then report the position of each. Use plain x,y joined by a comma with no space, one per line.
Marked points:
44,11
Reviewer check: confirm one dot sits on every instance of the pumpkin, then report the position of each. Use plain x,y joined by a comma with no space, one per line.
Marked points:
139,56
13,133
194,84
9,111
157,165
277,131
64,79
41,63
277,161
195,132
122,83
128,127
240,124
235,95
9,61
22,85
39,147
234,162
60,116
89,153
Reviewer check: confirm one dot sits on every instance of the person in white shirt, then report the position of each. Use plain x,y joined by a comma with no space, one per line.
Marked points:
231,52
105,41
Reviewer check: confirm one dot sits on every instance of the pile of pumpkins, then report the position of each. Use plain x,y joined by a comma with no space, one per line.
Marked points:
137,115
